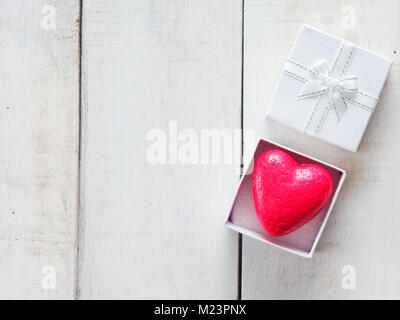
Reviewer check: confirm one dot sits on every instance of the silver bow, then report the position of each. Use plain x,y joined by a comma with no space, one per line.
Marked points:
334,90
330,86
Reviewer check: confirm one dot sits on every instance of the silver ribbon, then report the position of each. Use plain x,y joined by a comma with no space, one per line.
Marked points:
330,87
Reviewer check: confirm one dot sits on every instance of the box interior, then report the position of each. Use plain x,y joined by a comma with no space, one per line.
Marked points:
243,217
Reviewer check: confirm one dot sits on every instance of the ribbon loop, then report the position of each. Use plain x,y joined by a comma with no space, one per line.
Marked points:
321,69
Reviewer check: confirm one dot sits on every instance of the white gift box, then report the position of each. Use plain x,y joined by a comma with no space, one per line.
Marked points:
328,88
242,215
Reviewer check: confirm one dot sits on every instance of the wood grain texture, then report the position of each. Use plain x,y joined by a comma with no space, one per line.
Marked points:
363,228
39,121
156,231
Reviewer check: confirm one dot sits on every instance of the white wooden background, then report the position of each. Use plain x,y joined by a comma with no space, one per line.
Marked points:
115,226
39,145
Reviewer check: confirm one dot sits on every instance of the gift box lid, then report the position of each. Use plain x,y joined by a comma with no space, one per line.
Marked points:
328,88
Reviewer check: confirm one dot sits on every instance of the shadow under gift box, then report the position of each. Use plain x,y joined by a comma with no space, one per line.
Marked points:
243,218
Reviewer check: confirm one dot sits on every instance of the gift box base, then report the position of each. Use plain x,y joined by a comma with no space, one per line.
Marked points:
243,219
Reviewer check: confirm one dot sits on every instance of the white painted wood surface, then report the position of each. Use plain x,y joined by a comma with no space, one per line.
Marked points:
363,229
156,231
39,121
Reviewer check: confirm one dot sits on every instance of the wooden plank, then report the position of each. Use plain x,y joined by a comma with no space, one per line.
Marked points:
39,121
361,238
156,231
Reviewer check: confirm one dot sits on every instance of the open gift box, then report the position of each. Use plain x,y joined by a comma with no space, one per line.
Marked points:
242,216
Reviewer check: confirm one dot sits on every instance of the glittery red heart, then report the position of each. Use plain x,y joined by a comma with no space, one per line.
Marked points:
287,194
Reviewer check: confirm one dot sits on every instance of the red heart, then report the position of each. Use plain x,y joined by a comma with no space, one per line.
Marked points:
287,194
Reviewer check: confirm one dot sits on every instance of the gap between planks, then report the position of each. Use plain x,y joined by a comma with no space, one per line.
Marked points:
76,290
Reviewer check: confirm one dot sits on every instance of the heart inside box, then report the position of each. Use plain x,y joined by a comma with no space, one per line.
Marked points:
243,212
